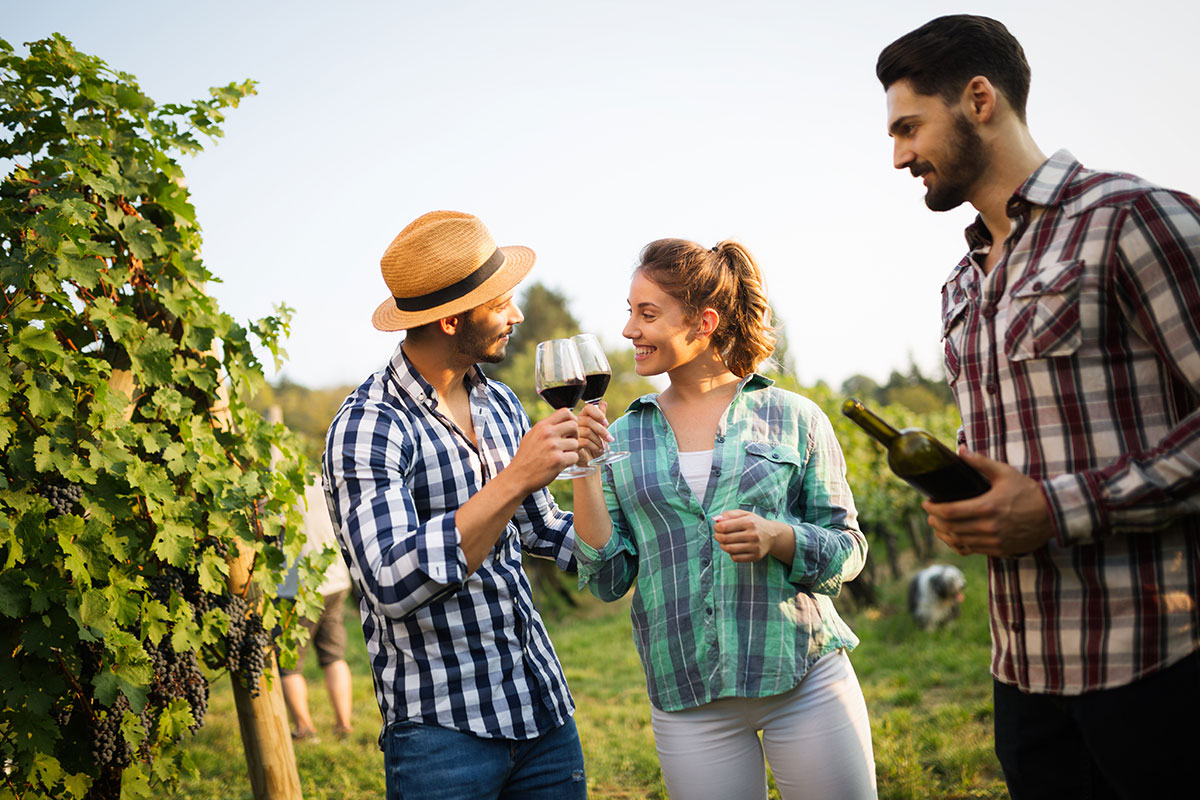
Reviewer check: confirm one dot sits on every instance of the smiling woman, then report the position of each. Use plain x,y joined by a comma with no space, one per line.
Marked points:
733,523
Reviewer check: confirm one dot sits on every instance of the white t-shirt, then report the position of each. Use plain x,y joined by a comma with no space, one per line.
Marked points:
694,466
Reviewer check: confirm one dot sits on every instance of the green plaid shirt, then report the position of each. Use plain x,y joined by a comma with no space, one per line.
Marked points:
706,627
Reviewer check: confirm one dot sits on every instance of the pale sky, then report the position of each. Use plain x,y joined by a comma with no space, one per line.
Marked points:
586,130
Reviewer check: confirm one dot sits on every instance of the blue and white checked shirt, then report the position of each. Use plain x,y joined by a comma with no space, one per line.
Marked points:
467,652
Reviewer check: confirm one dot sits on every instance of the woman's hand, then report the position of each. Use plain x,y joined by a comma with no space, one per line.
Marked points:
747,537
593,431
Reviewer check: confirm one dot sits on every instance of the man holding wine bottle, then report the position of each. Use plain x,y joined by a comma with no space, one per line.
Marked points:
436,484
1072,346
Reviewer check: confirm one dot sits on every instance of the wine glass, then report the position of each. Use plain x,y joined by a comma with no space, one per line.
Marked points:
559,378
596,376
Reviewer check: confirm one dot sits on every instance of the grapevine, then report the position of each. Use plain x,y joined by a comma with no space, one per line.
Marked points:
134,476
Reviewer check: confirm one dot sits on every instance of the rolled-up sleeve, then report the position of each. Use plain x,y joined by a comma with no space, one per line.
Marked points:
402,562
830,548
546,530
609,572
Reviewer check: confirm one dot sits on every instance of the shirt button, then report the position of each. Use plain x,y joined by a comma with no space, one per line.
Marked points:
1037,287
991,387
716,470
708,612
989,311
720,438
1017,627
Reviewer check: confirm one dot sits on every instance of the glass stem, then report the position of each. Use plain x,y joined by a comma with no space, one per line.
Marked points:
604,450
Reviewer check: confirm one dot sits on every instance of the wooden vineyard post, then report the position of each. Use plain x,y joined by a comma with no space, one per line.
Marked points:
263,721
266,736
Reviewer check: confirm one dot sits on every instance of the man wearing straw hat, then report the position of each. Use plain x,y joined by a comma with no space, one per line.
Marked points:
436,485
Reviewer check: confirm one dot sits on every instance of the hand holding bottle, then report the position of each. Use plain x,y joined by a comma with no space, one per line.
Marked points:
1011,519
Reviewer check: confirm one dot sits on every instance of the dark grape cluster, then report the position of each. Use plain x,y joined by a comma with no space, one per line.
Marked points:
186,585
218,546
108,743
166,581
177,675
200,600
64,497
245,643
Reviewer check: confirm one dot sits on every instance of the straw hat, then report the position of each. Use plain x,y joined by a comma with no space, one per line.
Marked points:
442,264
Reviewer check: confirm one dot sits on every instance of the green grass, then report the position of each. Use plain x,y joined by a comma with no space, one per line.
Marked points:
929,696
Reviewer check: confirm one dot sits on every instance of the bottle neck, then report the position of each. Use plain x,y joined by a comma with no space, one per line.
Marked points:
878,429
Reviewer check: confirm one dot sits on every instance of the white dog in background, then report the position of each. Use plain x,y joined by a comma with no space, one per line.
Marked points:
934,595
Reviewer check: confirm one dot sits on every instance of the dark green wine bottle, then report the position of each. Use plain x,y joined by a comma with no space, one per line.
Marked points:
920,460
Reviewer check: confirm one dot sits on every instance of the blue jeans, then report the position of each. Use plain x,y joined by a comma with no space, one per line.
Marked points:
427,761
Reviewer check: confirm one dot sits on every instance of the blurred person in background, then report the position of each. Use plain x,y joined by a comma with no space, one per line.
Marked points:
1072,344
327,634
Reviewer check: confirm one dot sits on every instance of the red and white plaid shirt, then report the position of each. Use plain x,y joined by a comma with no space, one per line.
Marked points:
1077,361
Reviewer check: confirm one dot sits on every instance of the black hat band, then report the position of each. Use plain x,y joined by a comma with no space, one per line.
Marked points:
455,290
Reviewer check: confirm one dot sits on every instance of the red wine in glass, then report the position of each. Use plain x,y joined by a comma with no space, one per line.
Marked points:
595,384
563,395
559,378
595,366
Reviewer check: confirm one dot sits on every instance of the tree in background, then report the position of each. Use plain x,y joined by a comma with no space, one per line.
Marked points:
131,469
911,389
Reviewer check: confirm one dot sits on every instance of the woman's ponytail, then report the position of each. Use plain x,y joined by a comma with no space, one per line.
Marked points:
749,338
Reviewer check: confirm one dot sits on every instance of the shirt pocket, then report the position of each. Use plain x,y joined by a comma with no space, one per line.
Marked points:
1044,314
953,335
768,471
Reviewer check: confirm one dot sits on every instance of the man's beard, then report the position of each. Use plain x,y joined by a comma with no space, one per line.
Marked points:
965,162
478,344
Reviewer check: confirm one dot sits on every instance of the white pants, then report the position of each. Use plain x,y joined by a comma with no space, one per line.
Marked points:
816,737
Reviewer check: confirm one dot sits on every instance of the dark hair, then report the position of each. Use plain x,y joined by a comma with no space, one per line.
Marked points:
941,56
726,279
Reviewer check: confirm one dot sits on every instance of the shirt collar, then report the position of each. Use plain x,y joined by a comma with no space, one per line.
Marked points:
752,382
1047,186
420,389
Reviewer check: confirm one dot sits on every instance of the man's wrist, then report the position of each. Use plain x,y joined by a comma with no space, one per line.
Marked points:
512,484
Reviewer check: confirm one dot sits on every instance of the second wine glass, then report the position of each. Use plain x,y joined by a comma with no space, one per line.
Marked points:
559,379
597,375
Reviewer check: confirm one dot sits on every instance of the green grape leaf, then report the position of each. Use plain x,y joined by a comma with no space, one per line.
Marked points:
173,543
67,529
213,572
94,610
135,783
